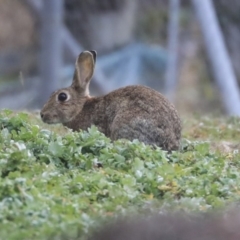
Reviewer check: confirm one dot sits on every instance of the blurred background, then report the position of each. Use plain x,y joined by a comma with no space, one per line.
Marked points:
187,52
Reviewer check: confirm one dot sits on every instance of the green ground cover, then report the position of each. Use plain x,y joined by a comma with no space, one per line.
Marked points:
56,184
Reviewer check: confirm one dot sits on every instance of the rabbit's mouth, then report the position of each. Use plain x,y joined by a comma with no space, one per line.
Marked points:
49,118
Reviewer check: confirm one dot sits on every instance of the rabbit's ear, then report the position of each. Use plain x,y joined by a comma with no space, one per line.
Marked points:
84,69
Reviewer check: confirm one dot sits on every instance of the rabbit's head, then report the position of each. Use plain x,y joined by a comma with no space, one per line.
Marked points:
64,104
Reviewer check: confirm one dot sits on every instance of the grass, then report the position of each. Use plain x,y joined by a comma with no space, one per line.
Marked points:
56,184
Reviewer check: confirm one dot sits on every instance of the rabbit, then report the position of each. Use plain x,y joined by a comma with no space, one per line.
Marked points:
132,112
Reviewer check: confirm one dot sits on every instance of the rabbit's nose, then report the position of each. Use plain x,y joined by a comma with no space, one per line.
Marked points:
42,115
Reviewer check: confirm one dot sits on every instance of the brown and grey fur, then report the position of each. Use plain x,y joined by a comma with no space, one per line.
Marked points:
132,112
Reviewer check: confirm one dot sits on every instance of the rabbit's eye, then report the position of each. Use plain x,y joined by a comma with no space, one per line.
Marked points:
62,97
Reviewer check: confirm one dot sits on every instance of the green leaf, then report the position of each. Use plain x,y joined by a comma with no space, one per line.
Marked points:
56,149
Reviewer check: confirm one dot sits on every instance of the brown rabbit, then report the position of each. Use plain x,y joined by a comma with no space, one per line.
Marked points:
132,112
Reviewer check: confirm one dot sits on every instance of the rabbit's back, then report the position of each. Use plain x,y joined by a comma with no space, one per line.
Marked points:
143,113
132,112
